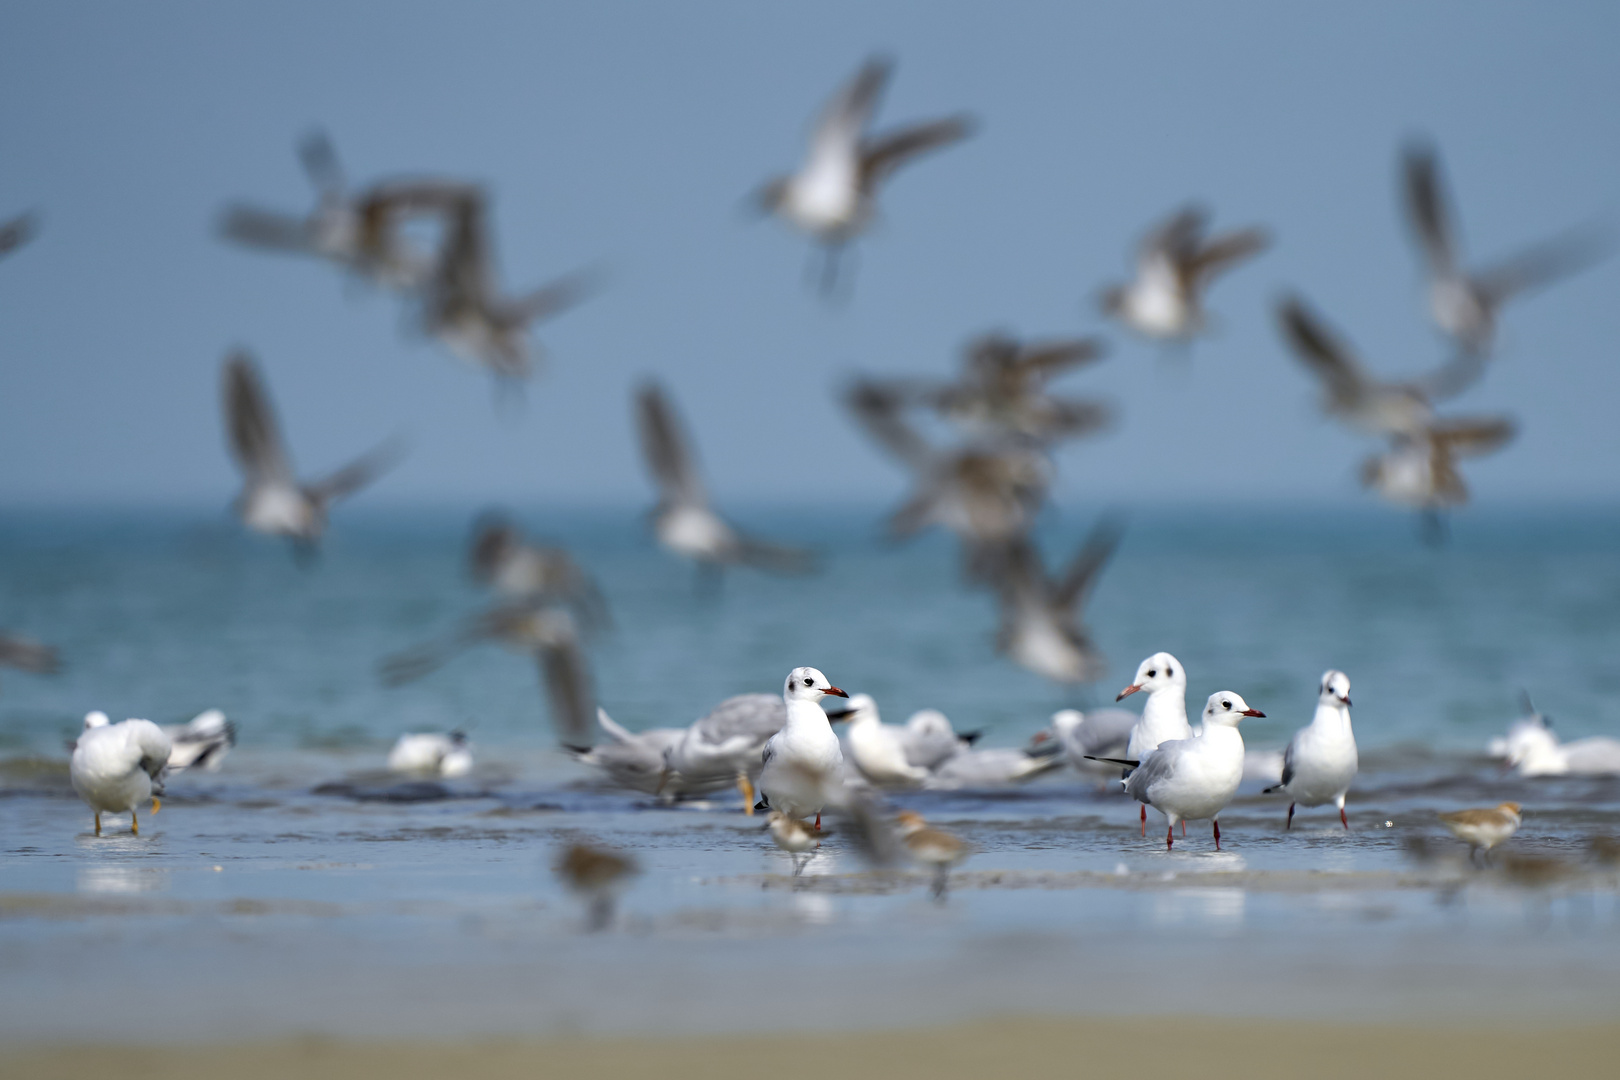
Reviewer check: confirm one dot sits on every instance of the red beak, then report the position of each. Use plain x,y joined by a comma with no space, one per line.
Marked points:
1128,691
833,691
1253,712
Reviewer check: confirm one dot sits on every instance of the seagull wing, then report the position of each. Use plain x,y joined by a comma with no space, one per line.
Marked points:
357,474
1327,356
1081,576
878,407
774,557
880,157
1157,767
666,449
319,158
1543,263
255,437
264,228
1222,253
17,232
1045,360
846,116
1473,437
1428,209
569,689
548,300
1176,237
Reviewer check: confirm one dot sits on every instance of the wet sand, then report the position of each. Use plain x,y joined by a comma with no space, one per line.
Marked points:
1171,1046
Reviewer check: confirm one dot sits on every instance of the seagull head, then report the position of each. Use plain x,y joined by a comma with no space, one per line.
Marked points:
1160,671
95,719
860,707
1335,689
808,684
1228,709
1066,721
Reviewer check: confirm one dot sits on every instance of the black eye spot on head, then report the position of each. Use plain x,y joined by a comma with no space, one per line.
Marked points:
1152,673
1169,672
1226,704
809,682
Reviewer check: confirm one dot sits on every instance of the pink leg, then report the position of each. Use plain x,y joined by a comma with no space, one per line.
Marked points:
1184,828
1169,837
1343,818
1217,835
1144,819
818,821
1290,824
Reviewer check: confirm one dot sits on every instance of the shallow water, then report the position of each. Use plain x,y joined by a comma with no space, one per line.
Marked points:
253,905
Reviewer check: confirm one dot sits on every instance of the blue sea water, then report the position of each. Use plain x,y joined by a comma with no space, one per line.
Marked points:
163,614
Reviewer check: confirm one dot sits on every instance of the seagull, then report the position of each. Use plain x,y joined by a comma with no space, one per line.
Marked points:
17,232
1420,470
597,874
201,742
797,838
1537,752
1321,760
833,196
273,501
1483,829
1175,263
515,568
684,521
26,654
935,848
117,766
930,739
546,632
725,746
463,307
636,760
432,753
1528,728
1083,737
803,762
1002,390
1465,303
992,767
1165,715
1194,778
877,749
359,231
1354,396
1040,626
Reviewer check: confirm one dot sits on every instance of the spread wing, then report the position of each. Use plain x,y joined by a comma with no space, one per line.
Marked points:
1222,253
1327,356
878,407
319,158
255,438
264,228
1081,576
1544,263
1177,237
1473,437
1048,359
1428,209
665,448
17,232
882,156
838,132
358,473
570,691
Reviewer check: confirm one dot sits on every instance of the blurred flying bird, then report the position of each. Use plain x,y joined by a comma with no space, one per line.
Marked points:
684,521
546,632
502,558
1175,263
273,501
1483,829
833,196
464,307
360,231
17,232
1465,303
1419,470
116,767
1041,629
432,753
1353,394
26,654
598,875
934,848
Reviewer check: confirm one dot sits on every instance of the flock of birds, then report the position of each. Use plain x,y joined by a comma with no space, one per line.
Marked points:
429,241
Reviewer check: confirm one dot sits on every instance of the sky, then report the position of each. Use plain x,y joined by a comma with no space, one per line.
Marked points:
627,137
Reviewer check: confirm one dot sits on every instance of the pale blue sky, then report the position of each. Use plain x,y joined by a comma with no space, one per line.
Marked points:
628,135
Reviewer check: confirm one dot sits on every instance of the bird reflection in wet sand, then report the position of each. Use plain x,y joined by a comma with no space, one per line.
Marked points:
684,520
26,654
360,231
833,196
463,305
1466,303
17,232
799,839
273,500
1175,264
548,633
599,875
514,567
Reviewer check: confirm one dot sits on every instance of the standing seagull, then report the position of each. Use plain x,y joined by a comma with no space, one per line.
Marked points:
115,767
683,520
1175,263
17,232
1164,716
272,500
803,762
1194,778
1321,761
1465,303
878,749
833,196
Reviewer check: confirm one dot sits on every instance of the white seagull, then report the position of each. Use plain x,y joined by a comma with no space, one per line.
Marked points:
1194,778
432,753
930,740
878,749
1175,263
117,766
803,763
1165,714
833,196
1320,762
1082,737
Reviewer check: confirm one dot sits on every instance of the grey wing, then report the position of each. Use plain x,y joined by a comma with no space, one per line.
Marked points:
883,156
1544,263
1081,576
319,158
878,407
357,474
759,715
17,232
1157,767
264,228
1320,350
1223,252
665,448
1176,237
569,688
255,437
850,110
1288,765
1107,732
1427,207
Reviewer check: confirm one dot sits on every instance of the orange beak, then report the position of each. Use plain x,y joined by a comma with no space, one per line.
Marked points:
833,691
1128,691
1253,712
